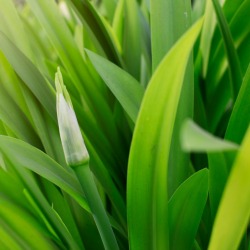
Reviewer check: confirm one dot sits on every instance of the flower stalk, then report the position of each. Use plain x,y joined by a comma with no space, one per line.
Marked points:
77,157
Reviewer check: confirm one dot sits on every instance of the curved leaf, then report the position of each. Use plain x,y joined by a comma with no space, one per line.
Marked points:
35,160
29,74
233,59
125,88
195,139
147,168
185,210
233,214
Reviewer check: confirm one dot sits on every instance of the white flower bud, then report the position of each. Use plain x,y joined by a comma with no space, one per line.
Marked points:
72,141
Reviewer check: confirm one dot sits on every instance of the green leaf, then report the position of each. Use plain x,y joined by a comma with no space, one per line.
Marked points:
218,174
147,168
35,160
25,226
176,17
110,8
195,139
124,87
118,21
185,210
89,16
10,113
132,38
218,64
29,74
233,214
207,33
8,238
30,184
233,59
239,121
162,39
45,126
198,9
12,26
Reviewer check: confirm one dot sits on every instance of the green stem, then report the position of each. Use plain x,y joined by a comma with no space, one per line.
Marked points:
86,180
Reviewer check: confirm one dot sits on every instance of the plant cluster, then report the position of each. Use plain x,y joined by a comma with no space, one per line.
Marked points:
124,124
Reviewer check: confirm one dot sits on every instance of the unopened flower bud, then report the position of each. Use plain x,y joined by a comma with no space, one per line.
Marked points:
74,148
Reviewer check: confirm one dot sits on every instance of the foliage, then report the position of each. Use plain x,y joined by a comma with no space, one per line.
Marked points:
160,90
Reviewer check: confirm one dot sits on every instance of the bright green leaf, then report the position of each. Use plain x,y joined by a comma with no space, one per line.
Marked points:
147,168
233,213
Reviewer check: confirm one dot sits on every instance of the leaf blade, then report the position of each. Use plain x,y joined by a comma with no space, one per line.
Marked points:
233,213
153,150
126,89
195,139
185,210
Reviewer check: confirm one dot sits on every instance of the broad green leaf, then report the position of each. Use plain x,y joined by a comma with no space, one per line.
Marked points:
147,168
233,59
233,213
195,139
176,15
185,210
161,12
239,121
124,87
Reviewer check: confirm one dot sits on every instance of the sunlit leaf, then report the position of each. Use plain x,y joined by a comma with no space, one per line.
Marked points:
233,213
147,170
